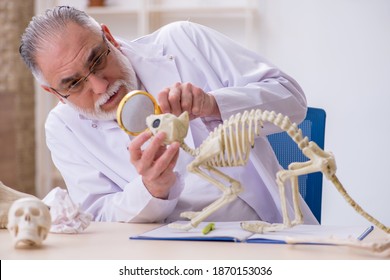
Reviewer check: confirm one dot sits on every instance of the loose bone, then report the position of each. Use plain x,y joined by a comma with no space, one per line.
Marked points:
229,146
7,197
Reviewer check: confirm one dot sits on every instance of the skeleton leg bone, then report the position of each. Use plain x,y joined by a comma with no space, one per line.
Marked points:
295,193
229,193
319,161
262,227
293,173
295,169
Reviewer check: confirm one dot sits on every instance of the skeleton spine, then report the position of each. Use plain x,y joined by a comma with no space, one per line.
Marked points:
186,148
285,124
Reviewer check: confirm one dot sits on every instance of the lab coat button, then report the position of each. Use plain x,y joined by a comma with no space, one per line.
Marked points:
94,125
171,57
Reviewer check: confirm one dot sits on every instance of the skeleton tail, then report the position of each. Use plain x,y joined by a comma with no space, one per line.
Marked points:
356,206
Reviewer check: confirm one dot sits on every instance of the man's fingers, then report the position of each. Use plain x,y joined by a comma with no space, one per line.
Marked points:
149,154
187,99
174,99
162,98
166,162
198,96
136,144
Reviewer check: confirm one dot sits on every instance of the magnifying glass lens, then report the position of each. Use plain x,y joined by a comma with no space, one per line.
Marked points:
133,110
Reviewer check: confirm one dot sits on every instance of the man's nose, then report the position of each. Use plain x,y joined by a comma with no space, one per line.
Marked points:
98,84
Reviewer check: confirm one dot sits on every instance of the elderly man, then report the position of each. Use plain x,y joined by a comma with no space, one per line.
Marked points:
187,67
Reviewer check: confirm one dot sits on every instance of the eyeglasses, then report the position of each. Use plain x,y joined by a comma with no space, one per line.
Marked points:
77,86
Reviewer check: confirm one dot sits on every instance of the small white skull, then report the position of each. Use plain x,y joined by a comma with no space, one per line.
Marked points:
29,221
175,128
7,197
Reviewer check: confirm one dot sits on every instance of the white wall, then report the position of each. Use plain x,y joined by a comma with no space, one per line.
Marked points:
339,51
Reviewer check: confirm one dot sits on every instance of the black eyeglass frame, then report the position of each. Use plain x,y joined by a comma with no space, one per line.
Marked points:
91,70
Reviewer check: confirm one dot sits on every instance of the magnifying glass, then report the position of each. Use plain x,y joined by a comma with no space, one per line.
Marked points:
133,110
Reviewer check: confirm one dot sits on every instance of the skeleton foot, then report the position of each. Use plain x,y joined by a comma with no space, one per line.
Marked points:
261,227
189,214
295,223
185,227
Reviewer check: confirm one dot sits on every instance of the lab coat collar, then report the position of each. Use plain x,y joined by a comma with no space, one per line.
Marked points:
156,70
99,124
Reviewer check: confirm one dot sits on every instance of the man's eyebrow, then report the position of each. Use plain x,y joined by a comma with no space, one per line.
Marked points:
94,53
87,64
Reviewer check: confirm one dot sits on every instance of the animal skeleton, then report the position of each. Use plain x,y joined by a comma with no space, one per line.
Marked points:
229,146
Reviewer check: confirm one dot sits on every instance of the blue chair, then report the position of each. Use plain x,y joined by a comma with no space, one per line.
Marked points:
310,186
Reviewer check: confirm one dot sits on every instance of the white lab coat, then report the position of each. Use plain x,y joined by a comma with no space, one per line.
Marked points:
93,159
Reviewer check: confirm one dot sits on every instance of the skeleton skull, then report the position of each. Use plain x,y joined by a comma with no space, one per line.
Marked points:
7,197
176,128
29,221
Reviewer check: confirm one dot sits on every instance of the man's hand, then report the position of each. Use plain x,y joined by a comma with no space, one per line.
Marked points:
187,97
155,163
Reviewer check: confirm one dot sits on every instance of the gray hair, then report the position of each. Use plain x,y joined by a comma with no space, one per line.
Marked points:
43,28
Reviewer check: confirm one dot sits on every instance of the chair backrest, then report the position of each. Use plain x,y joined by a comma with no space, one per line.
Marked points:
310,186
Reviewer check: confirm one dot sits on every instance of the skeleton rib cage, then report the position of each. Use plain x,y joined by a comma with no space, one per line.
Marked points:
237,136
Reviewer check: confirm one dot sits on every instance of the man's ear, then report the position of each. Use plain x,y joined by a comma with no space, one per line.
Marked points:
48,89
108,35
